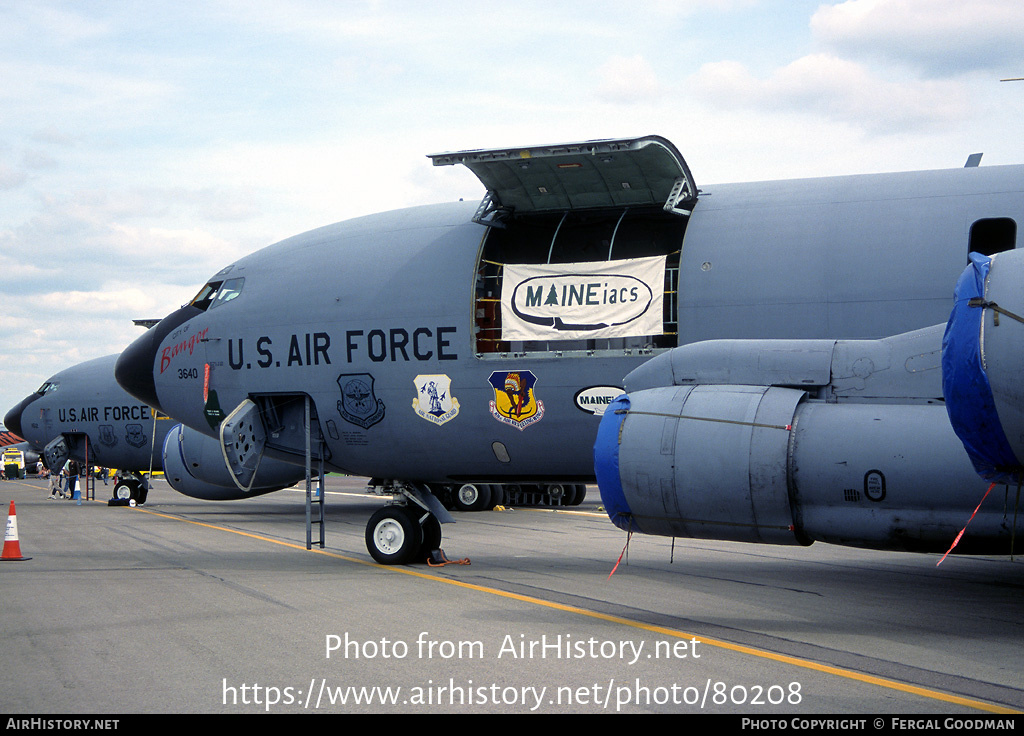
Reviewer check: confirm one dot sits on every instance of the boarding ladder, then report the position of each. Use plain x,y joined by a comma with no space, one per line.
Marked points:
314,497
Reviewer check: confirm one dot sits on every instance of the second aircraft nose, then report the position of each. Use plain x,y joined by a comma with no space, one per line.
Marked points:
12,420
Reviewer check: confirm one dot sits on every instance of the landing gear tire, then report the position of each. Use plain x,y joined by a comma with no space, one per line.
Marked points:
392,536
472,497
431,537
557,495
126,490
499,496
579,493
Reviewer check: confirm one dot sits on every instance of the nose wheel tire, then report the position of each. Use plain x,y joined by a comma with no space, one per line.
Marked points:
392,536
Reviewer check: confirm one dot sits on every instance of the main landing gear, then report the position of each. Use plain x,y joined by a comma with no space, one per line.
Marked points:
483,496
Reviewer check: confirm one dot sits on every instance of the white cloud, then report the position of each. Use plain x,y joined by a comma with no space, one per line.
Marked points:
942,37
10,177
100,238
36,159
823,85
627,79
45,93
61,28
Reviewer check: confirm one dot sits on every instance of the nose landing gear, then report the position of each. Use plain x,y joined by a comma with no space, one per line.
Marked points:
406,532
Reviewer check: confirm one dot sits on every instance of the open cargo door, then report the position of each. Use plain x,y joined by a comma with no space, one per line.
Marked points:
612,173
582,248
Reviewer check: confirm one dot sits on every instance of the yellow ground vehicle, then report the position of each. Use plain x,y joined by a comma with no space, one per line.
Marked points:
14,463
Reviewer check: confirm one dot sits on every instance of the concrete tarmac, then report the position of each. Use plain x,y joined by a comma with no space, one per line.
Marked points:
184,606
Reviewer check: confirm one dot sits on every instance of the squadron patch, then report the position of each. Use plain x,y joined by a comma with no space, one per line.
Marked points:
358,404
134,435
434,401
514,402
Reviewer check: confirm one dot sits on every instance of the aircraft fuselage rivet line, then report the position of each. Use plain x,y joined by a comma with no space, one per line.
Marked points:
664,631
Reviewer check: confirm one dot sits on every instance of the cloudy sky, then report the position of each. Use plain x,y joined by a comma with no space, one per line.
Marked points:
144,145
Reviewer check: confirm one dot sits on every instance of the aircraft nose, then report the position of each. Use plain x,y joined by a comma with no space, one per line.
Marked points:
12,420
135,366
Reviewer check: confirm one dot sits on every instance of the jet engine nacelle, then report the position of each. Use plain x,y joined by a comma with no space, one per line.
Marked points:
832,455
983,365
194,465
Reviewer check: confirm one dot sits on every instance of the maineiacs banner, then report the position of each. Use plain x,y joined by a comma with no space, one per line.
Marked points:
574,301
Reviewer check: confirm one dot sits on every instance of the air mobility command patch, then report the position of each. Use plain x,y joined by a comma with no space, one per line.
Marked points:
358,403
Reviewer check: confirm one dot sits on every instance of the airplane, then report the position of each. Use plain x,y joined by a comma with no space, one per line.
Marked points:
8,437
463,350
81,413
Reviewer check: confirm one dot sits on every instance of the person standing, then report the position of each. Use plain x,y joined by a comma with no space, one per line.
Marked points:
72,471
55,487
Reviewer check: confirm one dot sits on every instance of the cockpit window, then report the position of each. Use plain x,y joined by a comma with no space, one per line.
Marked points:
48,387
216,293
205,296
228,291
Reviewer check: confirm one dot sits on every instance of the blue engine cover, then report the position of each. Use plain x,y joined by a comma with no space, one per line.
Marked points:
965,385
606,462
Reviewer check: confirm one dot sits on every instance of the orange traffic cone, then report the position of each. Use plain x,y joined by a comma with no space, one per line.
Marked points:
12,550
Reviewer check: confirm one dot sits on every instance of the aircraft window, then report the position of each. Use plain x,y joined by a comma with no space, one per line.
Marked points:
604,234
48,387
205,296
228,291
993,235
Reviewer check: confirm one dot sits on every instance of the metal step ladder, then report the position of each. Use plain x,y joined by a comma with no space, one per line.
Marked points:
314,497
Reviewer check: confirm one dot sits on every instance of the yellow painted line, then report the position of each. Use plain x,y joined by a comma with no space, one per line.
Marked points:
22,482
662,630
563,510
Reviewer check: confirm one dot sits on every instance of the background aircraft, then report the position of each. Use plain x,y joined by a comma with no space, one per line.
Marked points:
81,413
7,437
444,347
